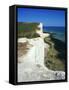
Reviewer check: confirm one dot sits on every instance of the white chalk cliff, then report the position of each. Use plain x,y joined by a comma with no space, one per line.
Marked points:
31,66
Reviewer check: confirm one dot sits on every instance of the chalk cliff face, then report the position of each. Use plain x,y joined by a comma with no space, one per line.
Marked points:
31,66
35,52
31,53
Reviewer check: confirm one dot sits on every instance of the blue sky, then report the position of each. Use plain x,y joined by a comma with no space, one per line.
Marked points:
47,17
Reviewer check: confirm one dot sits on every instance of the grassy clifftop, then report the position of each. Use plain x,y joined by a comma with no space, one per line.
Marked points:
55,59
27,29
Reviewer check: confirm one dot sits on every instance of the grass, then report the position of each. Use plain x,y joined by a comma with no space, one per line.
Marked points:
27,30
55,59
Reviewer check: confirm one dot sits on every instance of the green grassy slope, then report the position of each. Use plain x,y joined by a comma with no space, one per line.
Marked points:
55,59
27,30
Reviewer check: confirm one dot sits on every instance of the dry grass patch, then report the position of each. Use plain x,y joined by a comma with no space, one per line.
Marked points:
23,48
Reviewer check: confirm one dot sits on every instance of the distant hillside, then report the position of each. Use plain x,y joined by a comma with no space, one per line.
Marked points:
27,29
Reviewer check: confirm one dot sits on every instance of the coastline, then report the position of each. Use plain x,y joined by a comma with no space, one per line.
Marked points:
40,51
56,55
58,32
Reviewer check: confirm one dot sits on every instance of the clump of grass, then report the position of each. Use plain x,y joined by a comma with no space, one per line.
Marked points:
48,40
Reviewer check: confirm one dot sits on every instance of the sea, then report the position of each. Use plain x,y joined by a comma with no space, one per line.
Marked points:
58,32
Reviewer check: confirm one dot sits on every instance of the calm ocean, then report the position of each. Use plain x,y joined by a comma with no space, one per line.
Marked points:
59,32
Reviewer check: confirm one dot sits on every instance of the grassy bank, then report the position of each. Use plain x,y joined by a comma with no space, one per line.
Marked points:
27,30
55,59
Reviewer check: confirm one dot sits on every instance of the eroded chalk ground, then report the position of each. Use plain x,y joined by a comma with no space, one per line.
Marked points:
31,62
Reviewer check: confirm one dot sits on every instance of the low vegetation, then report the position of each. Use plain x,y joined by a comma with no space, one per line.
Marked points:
55,59
27,30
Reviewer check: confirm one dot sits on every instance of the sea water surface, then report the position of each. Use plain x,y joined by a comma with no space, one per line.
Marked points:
58,32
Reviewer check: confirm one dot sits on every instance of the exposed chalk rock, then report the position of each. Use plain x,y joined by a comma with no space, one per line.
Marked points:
35,54
32,66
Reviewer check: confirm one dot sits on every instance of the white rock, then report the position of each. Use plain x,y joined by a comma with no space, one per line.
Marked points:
32,66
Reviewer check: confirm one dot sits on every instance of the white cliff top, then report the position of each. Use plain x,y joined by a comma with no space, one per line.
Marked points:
31,67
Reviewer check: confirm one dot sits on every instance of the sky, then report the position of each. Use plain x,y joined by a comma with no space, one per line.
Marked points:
45,16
